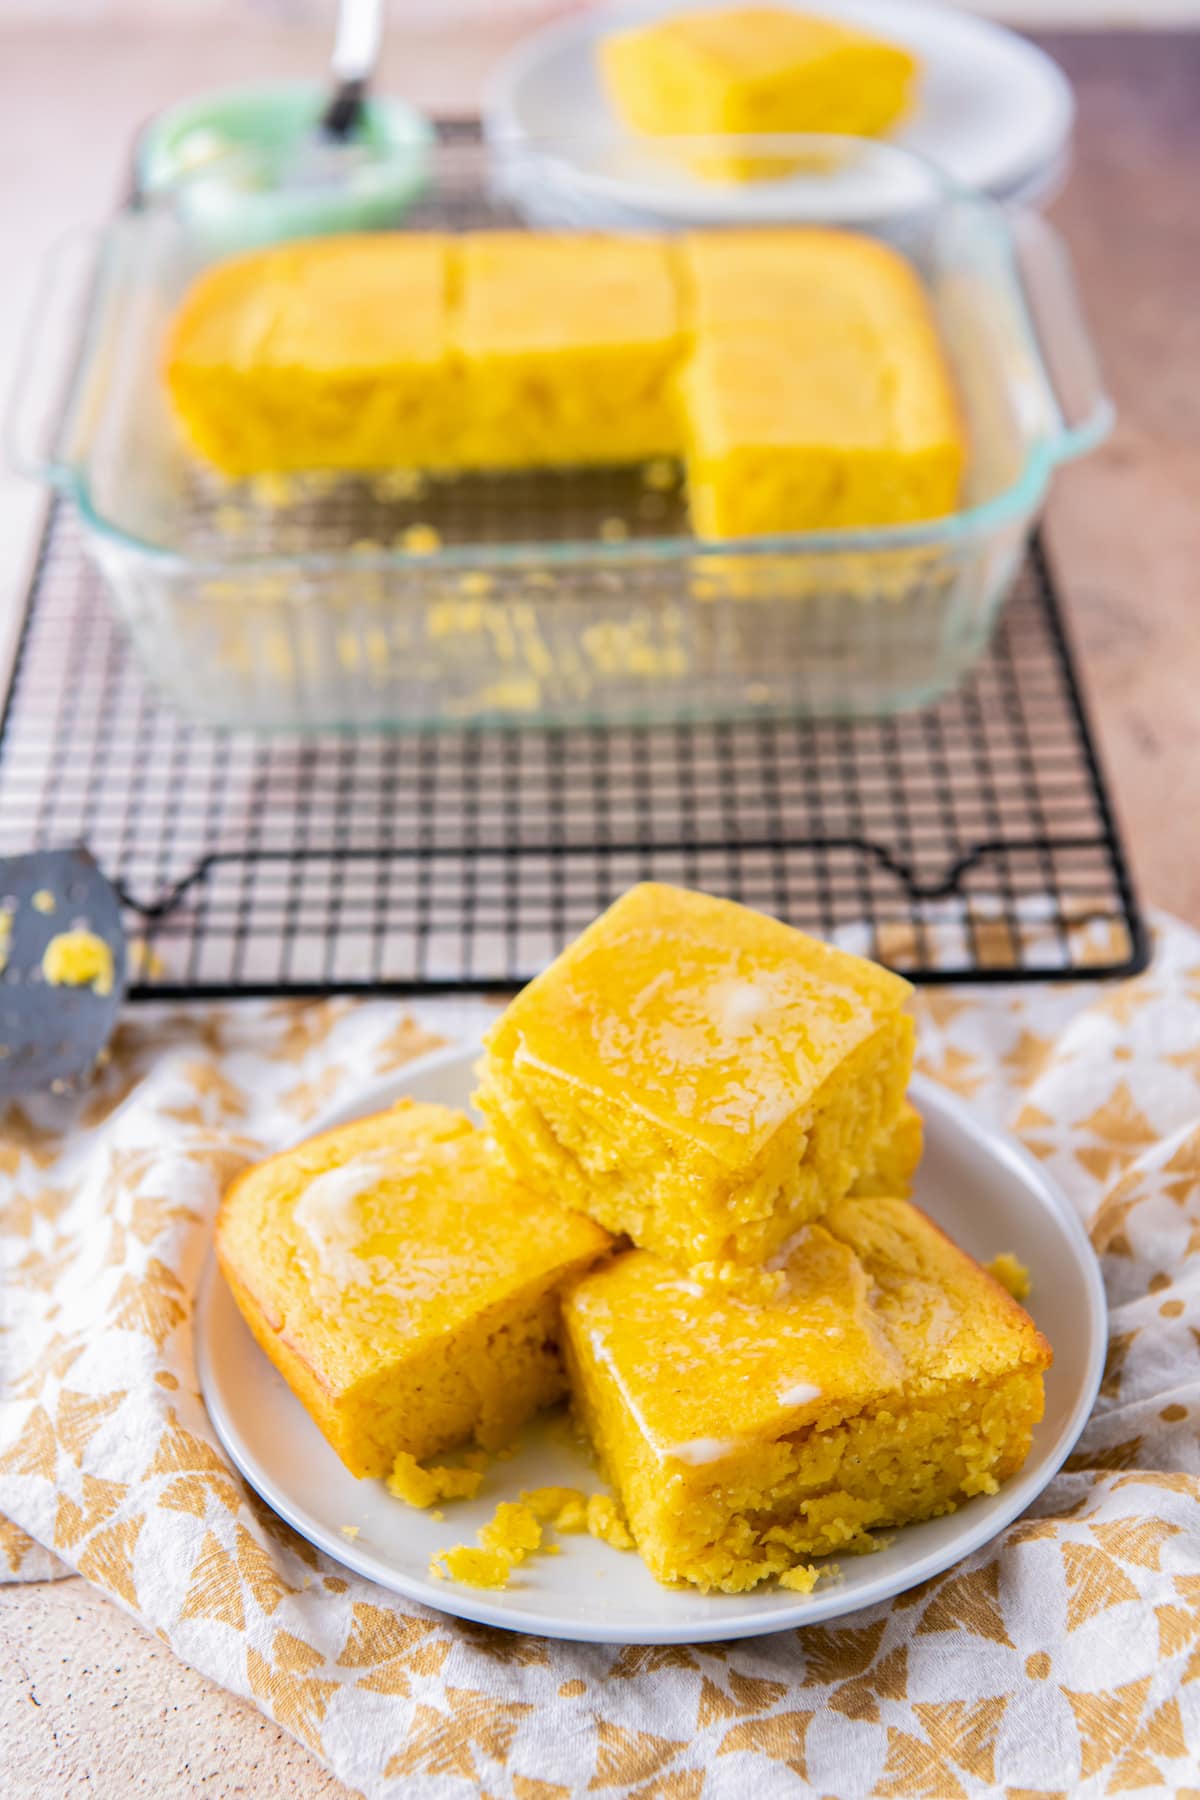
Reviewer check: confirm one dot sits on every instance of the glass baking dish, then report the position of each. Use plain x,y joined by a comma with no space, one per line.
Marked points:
558,597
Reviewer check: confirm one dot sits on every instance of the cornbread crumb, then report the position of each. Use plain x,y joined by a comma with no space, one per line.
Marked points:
474,1568
613,531
476,1459
513,1529
79,959
44,902
660,475
273,490
1011,1273
801,1580
563,1507
408,1481
6,920
399,484
476,581
421,540
350,1531
604,1521
437,1515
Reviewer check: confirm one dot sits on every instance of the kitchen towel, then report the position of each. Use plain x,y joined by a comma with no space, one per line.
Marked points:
1063,1657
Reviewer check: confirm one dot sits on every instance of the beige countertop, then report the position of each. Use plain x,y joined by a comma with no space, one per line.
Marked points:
89,1704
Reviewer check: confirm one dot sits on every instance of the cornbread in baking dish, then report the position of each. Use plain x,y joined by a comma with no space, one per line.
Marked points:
408,1294
818,395
697,1075
751,69
331,353
570,347
895,1380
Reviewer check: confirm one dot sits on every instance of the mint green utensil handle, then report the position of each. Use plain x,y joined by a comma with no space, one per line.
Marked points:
43,408
1069,356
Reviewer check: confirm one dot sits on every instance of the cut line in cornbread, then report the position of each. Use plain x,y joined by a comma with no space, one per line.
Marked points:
406,1291
895,1380
697,1075
752,69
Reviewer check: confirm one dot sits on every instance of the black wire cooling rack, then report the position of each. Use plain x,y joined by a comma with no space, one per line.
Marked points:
969,841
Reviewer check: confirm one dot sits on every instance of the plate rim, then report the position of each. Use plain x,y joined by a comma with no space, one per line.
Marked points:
504,126
1019,1492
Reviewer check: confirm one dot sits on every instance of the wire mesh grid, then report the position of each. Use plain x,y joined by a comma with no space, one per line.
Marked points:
970,840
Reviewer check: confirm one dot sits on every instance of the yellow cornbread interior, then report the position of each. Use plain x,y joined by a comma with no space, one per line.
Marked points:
331,353
800,371
753,69
817,394
697,1075
895,1380
569,347
892,1159
408,1296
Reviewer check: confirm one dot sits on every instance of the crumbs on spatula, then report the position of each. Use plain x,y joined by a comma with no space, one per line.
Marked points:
1011,1273
79,959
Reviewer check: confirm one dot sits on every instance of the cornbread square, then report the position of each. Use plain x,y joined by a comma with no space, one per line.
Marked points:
327,353
753,69
406,1292
818,395
894,1381
570,346
697,1075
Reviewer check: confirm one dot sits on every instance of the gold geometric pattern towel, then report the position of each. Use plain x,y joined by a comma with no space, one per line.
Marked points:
1062,1658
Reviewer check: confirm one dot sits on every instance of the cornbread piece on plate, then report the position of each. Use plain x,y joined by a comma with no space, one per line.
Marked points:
697,1075
406,1291
818,395
331,353
570,346
896,1380
753,69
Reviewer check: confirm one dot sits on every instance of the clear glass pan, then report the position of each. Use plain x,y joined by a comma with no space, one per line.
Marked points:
562,597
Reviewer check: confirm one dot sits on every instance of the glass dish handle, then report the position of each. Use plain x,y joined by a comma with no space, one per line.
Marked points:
43,399
1069,356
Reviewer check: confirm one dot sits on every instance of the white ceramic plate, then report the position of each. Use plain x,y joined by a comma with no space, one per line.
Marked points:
993,111
983,1189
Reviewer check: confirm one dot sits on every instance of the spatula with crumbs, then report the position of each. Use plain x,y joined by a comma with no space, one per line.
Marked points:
62,970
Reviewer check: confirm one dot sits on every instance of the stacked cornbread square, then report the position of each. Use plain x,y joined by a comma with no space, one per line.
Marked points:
791,1354
698,1076
798,372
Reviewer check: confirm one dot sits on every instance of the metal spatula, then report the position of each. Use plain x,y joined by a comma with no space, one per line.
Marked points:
51,1033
